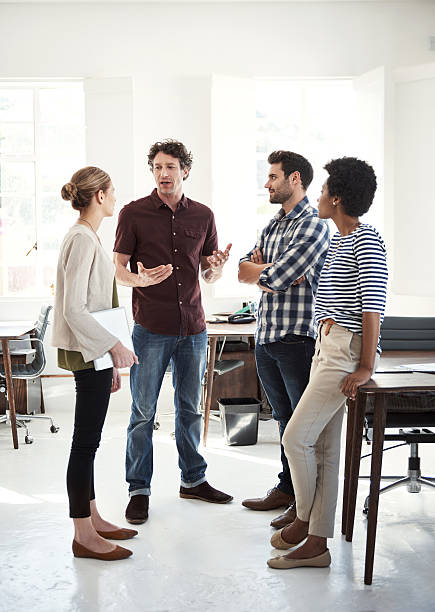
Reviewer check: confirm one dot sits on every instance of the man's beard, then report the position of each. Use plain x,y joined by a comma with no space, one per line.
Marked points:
279,197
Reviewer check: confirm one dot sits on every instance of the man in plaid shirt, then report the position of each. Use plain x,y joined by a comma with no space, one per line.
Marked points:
286,263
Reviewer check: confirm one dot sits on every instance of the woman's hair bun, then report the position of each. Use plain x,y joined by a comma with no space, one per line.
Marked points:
83,186
69,192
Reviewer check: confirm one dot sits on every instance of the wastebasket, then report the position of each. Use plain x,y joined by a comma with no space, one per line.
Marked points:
239,419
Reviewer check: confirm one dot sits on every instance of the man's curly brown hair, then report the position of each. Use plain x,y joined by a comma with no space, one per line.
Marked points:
174,148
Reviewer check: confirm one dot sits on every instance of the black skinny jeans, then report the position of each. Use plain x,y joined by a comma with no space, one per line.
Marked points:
92,400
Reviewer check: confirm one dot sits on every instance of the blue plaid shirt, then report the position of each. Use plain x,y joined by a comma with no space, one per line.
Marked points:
297,244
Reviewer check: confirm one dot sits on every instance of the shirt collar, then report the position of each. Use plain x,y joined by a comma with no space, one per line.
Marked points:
294,213
158,203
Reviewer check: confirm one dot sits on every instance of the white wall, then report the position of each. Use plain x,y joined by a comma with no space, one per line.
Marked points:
414,220
273,39
168,52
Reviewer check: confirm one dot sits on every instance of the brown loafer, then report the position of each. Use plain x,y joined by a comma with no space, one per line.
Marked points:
285,518
113,555
137,509
118,534
272,500
323,560
206,493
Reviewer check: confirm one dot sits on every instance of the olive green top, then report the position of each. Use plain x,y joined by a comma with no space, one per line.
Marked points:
73,360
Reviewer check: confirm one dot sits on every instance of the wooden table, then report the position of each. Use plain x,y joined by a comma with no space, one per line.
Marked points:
214,331
381,385
12,330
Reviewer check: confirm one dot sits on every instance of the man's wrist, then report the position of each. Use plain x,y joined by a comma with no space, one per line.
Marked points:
211,273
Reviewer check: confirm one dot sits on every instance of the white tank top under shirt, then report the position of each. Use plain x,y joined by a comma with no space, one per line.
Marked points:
353,279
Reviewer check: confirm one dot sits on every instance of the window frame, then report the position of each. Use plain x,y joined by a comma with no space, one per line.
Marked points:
36,159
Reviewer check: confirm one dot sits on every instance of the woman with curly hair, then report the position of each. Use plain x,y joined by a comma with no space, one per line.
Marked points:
350,305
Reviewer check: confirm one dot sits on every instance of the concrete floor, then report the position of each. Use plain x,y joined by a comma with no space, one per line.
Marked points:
191,555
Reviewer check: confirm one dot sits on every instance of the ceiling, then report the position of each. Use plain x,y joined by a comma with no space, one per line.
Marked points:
196,1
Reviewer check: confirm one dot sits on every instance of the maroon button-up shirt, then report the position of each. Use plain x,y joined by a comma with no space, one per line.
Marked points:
151,233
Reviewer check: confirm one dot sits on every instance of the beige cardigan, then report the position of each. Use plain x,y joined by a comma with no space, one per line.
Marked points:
84,284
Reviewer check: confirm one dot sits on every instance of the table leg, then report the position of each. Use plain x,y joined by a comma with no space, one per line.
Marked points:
347,462
379,419
10,390
357,431
209,386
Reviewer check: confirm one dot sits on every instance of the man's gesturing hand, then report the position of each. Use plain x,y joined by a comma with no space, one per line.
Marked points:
152,276
219,258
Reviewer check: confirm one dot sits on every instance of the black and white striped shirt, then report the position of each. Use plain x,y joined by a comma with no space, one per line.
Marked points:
353,279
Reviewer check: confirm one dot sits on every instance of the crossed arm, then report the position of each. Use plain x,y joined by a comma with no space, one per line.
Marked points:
250,271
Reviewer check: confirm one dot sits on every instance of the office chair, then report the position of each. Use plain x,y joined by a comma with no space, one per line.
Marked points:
29,371
416,410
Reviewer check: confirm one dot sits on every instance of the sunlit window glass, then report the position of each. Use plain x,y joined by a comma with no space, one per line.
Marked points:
41,145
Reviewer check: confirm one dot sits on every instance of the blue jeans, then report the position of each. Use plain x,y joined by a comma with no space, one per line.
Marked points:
284,370
188,356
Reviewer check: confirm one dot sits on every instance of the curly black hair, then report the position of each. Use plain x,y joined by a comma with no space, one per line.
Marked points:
354,182
292,162
175,149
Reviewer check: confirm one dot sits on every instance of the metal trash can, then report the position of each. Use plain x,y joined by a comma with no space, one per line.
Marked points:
239,419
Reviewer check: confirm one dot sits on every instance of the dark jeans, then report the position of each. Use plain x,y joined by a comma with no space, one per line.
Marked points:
92,400
284,370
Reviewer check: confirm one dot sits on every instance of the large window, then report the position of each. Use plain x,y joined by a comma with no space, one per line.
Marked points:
312,117
42,142
253,117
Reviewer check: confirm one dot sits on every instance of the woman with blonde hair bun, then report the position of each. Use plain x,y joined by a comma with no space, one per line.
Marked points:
86,283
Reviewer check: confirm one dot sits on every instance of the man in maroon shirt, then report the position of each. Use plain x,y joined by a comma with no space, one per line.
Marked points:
168,227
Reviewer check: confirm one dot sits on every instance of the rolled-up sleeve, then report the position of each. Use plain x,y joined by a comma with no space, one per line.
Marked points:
309,243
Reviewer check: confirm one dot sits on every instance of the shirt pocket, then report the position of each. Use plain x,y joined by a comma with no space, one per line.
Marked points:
284,243
193,240
191,233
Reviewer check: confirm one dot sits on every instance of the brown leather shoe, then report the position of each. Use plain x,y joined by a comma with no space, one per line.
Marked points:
272,500
118,534
206,493
113,555
137,509
285,518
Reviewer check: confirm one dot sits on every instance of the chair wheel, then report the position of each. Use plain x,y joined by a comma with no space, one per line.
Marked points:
156,425
54,429
28,440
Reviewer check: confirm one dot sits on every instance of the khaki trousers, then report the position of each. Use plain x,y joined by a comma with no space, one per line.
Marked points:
311,439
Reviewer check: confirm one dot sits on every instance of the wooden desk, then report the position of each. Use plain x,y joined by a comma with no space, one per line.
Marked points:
12,330
214,331
380,386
